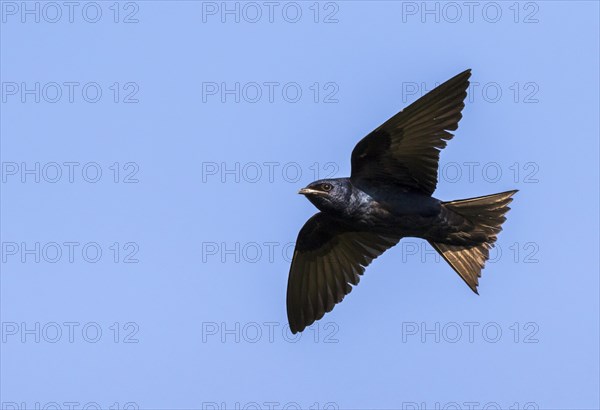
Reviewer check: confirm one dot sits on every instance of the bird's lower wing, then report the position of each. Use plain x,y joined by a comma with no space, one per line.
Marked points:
329,257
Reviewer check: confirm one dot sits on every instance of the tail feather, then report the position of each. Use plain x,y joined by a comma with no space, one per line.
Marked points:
486,213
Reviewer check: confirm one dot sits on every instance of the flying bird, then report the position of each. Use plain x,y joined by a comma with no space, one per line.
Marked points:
389,197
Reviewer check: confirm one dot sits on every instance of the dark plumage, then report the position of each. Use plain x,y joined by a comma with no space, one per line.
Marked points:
386,198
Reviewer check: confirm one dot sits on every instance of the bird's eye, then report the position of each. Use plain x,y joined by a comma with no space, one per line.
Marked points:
326,187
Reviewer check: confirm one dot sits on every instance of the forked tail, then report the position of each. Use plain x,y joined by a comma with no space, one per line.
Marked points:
486,213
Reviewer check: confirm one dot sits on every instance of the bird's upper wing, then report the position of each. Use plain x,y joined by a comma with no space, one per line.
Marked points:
405,149
328,258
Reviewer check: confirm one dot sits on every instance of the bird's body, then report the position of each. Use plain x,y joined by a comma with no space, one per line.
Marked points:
383,209
393,210
389,197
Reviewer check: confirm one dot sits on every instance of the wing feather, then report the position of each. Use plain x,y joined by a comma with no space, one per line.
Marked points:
405,149
329,258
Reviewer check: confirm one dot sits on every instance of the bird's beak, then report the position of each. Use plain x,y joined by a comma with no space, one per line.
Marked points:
309,191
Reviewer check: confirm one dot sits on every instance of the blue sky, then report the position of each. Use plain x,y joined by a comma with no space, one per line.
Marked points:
151,154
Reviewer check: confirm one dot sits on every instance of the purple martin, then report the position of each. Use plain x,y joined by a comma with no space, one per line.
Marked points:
389,197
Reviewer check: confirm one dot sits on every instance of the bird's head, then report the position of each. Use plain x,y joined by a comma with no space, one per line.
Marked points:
329,195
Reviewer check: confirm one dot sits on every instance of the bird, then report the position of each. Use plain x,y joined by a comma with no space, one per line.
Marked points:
387,197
